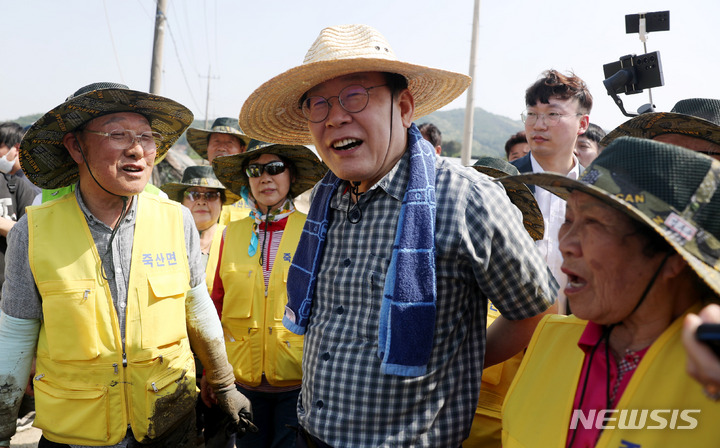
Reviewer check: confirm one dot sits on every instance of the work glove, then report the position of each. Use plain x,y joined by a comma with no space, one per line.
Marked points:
238,407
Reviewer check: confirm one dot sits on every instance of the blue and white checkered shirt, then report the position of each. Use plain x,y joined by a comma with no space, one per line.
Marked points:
483,251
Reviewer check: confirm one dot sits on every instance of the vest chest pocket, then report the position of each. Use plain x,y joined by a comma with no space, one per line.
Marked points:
163,322
70,319
239,281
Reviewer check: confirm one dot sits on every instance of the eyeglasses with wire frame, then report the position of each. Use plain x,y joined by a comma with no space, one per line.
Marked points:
353,98
551,119
122,139
197,195
272,168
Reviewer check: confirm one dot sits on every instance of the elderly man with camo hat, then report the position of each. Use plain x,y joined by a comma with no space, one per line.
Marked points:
105,286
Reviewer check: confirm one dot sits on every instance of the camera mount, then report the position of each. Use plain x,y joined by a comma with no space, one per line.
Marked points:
632,74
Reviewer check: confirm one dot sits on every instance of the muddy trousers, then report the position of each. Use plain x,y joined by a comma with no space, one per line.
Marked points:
183,435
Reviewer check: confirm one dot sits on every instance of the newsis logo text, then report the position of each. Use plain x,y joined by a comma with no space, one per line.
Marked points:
635,419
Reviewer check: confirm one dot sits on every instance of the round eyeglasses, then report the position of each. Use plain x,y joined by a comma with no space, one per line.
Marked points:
197,195
551,119
272,168
123,139
353,99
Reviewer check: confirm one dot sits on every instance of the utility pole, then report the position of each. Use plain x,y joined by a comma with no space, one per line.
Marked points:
156,67
469,109
207,99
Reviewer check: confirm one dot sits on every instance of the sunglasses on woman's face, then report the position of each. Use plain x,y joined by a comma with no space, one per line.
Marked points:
273,168
207,195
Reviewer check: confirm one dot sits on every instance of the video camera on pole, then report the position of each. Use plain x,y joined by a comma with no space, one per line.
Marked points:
634,73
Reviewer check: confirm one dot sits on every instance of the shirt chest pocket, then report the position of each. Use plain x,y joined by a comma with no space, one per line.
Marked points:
163,321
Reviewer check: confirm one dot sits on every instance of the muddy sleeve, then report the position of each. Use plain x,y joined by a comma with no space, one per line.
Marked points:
18,339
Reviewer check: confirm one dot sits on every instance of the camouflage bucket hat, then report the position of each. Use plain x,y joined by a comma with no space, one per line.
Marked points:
308,167
43,156
519,194
197,176
198,138
695,117
670,189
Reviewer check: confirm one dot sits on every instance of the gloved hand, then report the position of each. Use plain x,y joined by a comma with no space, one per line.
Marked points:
238,407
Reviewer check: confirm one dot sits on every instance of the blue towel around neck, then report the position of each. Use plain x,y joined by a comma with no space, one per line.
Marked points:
407,313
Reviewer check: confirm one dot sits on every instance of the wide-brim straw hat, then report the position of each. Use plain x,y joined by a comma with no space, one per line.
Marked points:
272,112
198,138
197,176
43,156
671,189
308,167
694,117
519,194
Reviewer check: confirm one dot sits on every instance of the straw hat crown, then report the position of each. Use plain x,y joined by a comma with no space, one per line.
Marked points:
272,112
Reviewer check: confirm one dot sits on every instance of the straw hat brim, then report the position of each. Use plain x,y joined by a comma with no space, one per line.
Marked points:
175,190
521,196
43,156
308,167
272,112
562,186
198,139
652,124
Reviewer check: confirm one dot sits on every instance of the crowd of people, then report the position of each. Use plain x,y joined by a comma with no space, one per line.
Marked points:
550,299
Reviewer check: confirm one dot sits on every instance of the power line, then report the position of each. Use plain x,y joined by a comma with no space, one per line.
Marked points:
112,42
182,69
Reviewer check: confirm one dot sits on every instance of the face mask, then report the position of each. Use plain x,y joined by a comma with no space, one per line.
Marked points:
6,165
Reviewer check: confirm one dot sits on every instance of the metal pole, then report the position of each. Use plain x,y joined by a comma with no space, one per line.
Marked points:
207,100
156,66
469,109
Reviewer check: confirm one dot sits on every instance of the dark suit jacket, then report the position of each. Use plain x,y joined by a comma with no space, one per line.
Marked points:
524,165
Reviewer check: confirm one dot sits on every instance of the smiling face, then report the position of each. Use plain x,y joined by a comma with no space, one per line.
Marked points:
122,172
603,259
269,191
223,145
205,212
358,146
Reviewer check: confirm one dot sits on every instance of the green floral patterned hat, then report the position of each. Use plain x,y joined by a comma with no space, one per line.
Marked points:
671,189
308,167
43,156
197,176
695,117
198,138
519,194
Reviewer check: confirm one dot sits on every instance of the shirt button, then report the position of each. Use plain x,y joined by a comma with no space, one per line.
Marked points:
319,404
347,262
340,309
122,305
326,356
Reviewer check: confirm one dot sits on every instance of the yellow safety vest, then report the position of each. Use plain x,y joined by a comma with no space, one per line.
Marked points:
234,212
211,266
87,390
255,337
539,405
486,430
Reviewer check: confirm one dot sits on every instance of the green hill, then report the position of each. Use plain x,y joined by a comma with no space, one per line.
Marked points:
490,131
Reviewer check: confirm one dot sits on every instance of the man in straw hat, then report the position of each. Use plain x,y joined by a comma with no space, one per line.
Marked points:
400,252
693,123
224,138
105,286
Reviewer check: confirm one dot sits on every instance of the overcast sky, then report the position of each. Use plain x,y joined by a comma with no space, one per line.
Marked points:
51,48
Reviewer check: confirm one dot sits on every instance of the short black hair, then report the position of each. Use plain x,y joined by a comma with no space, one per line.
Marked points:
11,134
432,133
